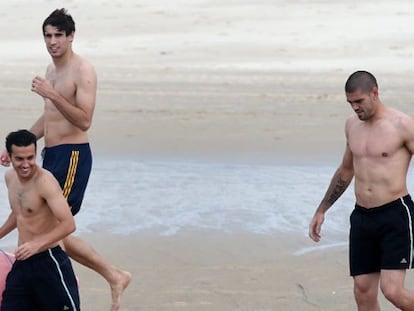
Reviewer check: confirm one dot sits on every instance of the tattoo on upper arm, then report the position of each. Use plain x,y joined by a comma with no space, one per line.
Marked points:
337,190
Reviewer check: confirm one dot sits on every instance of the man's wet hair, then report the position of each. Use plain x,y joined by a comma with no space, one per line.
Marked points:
20,138
60,19
360,80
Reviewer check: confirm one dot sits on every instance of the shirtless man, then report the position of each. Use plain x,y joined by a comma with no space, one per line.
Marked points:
42,277
380,144
69,93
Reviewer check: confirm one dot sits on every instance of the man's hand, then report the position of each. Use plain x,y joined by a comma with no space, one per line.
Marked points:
26,250
315,226
42,87
5,158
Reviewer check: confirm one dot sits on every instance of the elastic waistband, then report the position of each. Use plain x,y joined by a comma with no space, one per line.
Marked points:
397,202
35,257
66,146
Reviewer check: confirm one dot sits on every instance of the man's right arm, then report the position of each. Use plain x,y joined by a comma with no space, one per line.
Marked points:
11,223
38,128
339,183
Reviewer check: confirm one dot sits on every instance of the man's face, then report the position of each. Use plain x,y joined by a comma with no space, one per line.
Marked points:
23,160
363,103
56,41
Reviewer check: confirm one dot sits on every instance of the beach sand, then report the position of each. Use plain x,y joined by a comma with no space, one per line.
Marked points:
214,271
203,271
254,81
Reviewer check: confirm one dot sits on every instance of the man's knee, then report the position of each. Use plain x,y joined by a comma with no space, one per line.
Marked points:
392,286
365,296
366,291
393,294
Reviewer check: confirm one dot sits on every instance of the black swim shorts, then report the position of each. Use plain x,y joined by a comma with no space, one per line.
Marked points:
45,281
382,237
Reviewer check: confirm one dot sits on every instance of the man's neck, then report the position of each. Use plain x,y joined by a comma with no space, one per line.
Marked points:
380,112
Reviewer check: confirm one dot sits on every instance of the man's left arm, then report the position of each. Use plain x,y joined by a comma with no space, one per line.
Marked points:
79,113
408,125
50,190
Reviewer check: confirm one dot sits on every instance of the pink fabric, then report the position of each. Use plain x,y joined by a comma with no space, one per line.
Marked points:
6,262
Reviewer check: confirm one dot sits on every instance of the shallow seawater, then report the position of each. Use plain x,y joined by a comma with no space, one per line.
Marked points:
133,195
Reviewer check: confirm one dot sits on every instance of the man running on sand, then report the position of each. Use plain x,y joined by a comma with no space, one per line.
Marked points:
69,93
41,277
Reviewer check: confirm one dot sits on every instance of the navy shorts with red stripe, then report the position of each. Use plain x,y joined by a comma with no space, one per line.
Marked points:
71,165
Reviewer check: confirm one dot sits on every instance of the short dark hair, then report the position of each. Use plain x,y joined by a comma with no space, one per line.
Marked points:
360,80
20,138
60,19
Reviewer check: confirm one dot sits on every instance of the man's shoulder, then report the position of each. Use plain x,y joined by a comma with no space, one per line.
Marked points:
351,119
82,66
400,117
394,111
81,61
43,175
44,181
9,174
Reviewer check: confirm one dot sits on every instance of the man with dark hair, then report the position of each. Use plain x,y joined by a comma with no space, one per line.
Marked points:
60,19
41,277
362,80
21,138
380,145
69,93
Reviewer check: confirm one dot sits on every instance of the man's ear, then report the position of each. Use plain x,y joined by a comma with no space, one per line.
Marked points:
71,36
375,92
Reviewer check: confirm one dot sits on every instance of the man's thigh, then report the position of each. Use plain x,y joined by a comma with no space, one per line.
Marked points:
15,295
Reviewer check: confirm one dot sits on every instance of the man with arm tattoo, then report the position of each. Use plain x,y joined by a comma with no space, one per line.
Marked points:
380,144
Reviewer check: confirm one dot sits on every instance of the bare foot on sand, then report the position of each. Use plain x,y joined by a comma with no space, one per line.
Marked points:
118,287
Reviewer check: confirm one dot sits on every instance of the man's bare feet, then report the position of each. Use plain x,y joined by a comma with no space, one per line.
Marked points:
117,288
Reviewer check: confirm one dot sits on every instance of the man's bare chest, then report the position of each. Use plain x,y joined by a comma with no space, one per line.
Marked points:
24,200
64,83
377,142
